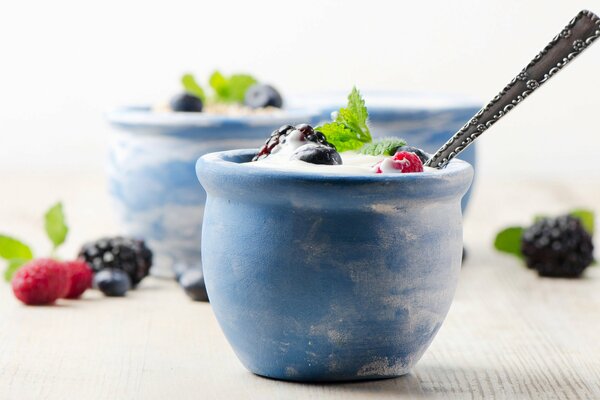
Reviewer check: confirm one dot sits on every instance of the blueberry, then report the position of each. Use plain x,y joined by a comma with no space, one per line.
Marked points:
420,153
112,282
192,282
186,102
317,155
260,95
179,268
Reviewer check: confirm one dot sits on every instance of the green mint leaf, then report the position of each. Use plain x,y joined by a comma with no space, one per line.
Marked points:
230,89
56,227
341,136
509,241
538,218
238,85
11,248
587,219
355,115
13,266
382,147
349,130
192,87
219,84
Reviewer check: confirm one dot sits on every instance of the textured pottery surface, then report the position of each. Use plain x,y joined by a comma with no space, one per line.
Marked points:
329,278
426,121
152,179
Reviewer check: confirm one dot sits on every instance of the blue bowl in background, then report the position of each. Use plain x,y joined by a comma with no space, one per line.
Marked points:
324,277
151,172
424,120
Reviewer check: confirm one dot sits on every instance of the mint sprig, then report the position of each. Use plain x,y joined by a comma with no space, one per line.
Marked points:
230,89
192,87
349,130
382,147
16,253
55,224
509,239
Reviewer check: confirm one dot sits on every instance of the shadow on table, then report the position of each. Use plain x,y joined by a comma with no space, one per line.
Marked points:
448,383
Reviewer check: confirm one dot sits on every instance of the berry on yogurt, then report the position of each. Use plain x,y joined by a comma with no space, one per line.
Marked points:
402,162
300,142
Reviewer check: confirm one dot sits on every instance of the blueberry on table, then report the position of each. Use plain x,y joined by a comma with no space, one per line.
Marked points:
186,102
318,154
192,282
261,95
112,282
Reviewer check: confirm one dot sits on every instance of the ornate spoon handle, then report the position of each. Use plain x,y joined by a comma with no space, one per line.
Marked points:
568,44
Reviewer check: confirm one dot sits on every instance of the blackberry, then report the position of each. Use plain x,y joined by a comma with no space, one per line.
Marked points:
306,133
558,247
127,254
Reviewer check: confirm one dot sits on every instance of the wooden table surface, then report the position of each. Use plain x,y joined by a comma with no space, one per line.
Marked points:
509,334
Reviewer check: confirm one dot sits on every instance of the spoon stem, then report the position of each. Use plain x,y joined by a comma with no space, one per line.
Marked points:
568,44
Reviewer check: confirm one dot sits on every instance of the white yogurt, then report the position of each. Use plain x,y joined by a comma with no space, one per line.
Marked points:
353,163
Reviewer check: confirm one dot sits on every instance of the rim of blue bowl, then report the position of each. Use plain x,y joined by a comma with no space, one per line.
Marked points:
391,100
143,116
231,163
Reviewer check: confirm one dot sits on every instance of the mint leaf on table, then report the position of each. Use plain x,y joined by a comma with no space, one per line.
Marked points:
11,248
587,219
192,87
13,266
230,89
56,227
509,240
382,147
349,130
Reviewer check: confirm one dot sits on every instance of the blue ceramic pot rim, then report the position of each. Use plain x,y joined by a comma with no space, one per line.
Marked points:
223,173
393,101
143,116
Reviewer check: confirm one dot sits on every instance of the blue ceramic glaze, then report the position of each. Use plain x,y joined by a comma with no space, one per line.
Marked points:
328,277
425,120
152,178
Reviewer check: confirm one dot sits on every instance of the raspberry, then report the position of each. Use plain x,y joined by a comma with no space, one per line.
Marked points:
129,255
558,247
80,278
41,281
402,162
302,132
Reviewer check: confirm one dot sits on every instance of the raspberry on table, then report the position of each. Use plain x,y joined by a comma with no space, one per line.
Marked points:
558,247
41,281
80,278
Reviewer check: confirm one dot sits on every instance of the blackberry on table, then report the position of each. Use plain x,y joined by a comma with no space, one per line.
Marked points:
127,254
306,132
558,247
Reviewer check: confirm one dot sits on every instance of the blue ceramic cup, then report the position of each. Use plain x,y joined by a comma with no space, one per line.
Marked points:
330,277
151,172
425,120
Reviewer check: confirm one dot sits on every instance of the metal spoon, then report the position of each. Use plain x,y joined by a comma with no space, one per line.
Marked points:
568,44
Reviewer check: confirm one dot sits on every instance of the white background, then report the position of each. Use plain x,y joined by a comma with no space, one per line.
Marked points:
63,63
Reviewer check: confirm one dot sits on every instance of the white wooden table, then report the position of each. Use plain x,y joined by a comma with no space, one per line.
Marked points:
509,334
